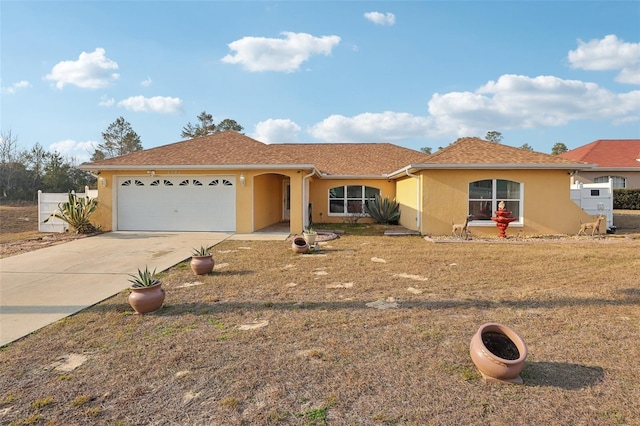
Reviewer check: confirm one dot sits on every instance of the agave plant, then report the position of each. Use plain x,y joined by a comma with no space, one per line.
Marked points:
383,211
144,278
76,212
202,251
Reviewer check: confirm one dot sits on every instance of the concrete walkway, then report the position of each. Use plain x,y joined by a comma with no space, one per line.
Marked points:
46,285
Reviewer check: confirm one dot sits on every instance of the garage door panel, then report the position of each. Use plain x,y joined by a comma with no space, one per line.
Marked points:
184,203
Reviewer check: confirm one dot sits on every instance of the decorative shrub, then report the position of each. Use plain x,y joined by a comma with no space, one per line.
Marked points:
626,199
76,212
383,211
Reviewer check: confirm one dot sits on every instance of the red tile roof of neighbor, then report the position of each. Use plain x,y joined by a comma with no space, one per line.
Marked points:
607,153
342,159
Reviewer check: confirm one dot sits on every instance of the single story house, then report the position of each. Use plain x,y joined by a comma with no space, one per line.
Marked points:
617,160
230,182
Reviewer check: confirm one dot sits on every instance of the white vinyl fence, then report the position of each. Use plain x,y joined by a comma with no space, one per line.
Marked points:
48,203
595,199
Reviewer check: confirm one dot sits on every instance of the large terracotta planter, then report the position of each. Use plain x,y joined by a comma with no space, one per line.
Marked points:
499,353
299,245
144,300
202,265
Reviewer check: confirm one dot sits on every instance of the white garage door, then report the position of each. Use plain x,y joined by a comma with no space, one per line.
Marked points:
176,203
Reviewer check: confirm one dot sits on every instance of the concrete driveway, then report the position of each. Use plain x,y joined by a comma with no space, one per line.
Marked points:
43,286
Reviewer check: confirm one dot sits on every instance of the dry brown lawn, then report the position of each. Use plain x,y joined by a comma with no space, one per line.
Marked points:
272,337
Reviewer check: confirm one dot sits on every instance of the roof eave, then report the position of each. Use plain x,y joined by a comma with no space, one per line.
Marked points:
132,167
330,176
525,166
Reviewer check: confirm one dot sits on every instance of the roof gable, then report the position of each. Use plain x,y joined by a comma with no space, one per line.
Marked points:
475,151
608,153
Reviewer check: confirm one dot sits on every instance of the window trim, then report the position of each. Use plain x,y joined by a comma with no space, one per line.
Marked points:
345,198
494,204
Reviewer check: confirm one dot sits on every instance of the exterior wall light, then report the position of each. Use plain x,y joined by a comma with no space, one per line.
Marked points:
243,181
103,182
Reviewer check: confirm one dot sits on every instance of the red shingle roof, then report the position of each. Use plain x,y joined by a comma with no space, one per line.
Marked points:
608,153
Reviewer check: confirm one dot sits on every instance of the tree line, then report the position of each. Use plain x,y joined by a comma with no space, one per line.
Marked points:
25,171
494,136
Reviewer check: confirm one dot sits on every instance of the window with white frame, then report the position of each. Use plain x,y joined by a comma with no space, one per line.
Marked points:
618,181
484,196
350,199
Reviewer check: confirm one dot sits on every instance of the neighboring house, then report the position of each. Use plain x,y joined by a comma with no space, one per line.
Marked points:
230,182
615,159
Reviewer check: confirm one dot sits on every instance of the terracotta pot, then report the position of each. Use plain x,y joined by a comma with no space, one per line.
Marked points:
498,352
202,265
144,300
299,245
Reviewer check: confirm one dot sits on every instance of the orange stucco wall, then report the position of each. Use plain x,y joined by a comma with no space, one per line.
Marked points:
547,207
319,196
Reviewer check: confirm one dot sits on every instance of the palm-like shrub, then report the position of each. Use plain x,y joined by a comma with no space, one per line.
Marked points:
76,212
383,211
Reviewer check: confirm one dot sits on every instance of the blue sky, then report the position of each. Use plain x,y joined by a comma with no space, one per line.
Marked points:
417,74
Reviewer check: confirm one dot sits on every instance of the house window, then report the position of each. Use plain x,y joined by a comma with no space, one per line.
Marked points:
618,181
484,196
350,199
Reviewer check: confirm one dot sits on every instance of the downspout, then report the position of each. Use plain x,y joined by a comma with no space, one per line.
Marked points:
305,200
418,204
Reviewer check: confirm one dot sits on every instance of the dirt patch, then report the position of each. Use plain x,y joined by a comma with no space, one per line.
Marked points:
19,231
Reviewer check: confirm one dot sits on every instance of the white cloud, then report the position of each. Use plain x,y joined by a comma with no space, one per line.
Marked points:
521,102
106,101
162,104
80,151
276,131
91,71
511,102
609,53
23,84
379,18
371,127
271,54
146,83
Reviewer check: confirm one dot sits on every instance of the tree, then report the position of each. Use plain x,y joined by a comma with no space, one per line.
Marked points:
118,139
426,149
228,124
527,147
493,136
207,126
558,148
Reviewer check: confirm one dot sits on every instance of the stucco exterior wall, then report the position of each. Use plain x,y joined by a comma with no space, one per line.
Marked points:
319,196
407,190
547,207
267,200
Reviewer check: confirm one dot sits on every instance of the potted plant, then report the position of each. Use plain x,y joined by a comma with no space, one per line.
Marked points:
147,294
202,261
310,236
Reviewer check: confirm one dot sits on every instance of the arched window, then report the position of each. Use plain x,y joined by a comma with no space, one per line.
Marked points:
484,196
350,199
618,181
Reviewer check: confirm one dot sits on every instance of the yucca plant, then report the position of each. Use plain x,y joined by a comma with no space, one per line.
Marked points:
383,211
144,278
76,212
